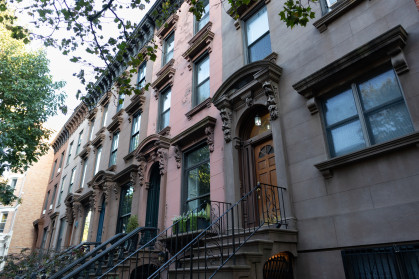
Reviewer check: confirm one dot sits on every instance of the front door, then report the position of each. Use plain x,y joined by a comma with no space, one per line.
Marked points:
268,195
153,196
101,219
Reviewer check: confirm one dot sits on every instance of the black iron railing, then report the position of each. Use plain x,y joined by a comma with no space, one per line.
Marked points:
147,259
190,246
101,262
86,257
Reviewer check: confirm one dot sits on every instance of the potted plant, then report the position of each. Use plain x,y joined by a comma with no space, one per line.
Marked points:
199,220
179,224
132,225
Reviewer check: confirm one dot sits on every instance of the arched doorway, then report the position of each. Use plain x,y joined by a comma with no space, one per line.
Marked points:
278,266
258,164
153,197
144,271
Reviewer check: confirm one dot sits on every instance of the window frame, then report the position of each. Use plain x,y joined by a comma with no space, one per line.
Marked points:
120,221
69,153
60,234
114,149
165,59
72,178
185,170
196,85
135,133
105,114
97,160
3,223
79,142
353,86
61,190
83,174
13,183
92,129
246,39
53,170
196,24
161,104
61,162
54,193
46,202
140,80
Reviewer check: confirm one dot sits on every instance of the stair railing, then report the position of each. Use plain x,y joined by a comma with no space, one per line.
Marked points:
106,259
212,248
99,248
146,260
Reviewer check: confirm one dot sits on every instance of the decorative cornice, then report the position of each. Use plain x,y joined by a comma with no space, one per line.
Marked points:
85,152
195,133
382,47
98,140
136,104
165,131
114,126
198,108
92,114
164,78
340,8
328,166
200,43
243,10
167,26
118,114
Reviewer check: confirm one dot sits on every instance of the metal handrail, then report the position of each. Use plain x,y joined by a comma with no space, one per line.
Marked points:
116,245
88,255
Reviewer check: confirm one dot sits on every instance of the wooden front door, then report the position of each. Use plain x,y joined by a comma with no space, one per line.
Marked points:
268,195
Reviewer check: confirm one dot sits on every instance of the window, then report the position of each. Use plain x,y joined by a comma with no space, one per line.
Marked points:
53,196
79,142
61,190
205,17
69,153
120,102
51,235
73,174
86,226
13,184
164,109
44,239
327,5
83,175
169,44
258,38
3,221
98,155
397,262
124,208
197,177
135,131
92,129
105,114
202,80
141,75
60,235
368,112
114,149
53,170
61,162
46,203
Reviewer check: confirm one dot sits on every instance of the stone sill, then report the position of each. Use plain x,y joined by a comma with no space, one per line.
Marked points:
205,104
328,166
340,8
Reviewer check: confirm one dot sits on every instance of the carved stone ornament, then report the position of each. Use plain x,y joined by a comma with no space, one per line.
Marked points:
141,173
116,191
69,214
178,157
249,101
226,115
76,209
209,131
107,189
270,102
161,157
92,202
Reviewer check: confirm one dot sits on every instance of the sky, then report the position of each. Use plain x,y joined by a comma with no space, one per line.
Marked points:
62,69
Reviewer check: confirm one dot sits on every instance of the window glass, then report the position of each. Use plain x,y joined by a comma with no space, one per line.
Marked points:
114,149
98,155
197,172
105,114
169,44
61,190
202,80
53,170
73,174
86,226
165,99
83,176
135,132
60,235
92,129
141,75
125,208
14,182
257,26
69,153
79,142
53,196
120,102
371,112
3,222
205,17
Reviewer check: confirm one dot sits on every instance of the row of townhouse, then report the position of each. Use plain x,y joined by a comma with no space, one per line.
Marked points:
328,112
